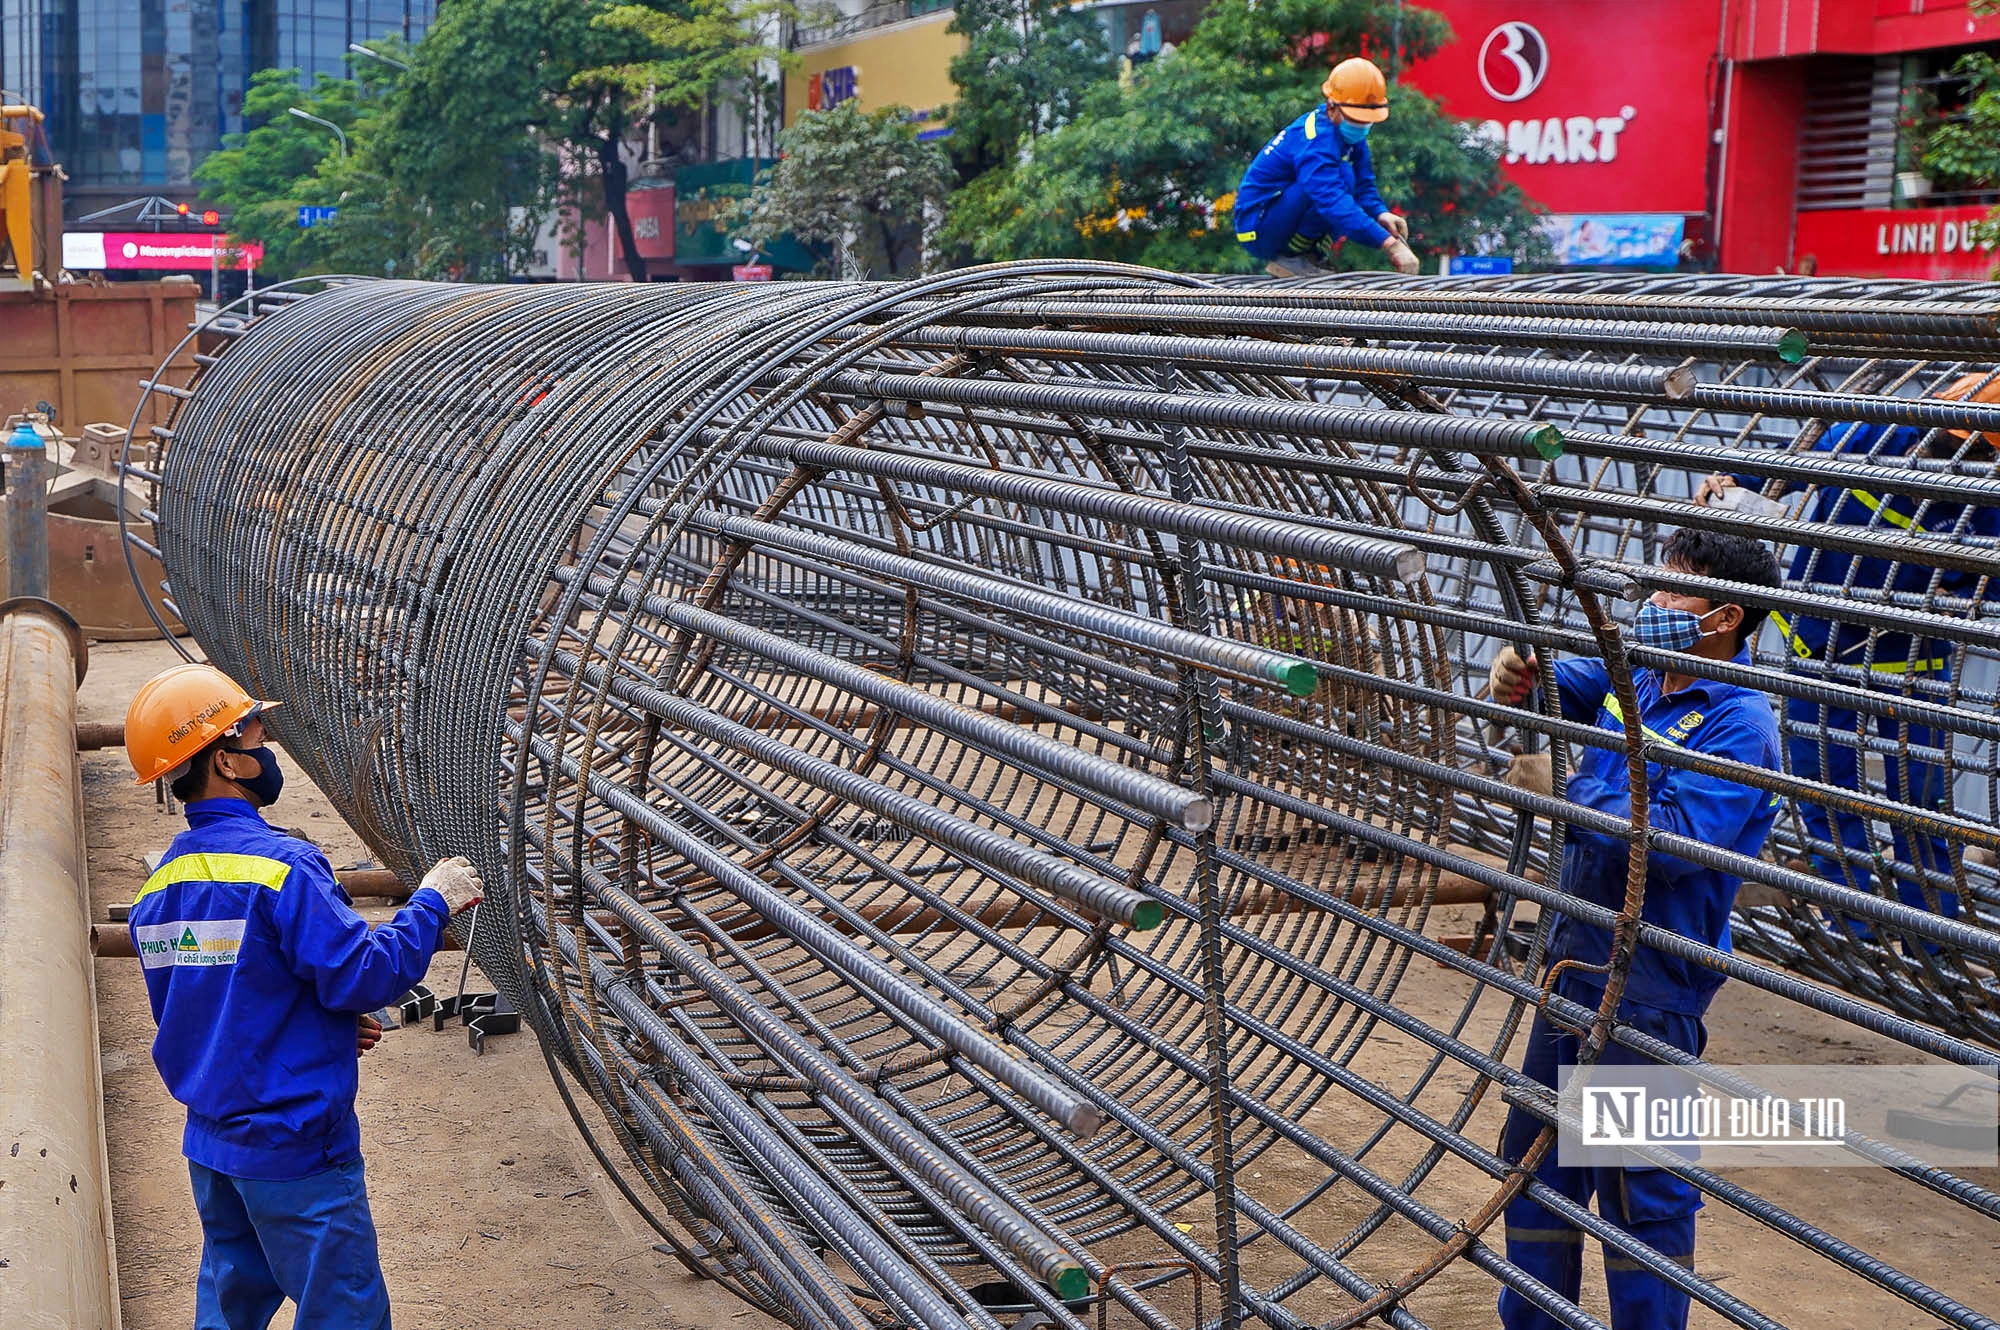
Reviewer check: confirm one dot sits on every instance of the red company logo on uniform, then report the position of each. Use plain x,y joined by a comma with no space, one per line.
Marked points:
1513,61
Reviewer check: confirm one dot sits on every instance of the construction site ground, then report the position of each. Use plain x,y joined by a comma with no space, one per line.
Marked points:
493,1215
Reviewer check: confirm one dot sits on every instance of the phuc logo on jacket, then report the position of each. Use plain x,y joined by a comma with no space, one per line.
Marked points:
193,942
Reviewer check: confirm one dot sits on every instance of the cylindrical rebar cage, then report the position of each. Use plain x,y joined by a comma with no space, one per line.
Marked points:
989,782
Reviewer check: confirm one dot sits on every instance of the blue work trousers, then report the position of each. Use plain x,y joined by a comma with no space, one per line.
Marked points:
1651,1204
311,1240
1836,762
1290,214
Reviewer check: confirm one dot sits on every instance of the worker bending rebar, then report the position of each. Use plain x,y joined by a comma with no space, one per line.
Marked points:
1665,996
1827,743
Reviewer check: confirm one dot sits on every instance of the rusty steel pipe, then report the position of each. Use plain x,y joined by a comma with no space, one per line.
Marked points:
55,1182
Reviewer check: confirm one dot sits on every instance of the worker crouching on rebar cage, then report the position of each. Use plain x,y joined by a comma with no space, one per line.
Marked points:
1665,995
259,972
1314,183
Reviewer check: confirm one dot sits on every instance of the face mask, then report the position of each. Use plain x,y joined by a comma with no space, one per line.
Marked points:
1350,132
1666,629
269,781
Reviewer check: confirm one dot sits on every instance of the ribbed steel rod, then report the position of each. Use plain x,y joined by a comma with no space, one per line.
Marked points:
1118,311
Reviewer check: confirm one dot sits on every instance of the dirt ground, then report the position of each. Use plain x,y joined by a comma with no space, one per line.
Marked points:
493,1215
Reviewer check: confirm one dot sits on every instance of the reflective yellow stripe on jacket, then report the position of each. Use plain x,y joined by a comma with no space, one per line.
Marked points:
1883,510
1618,714
1805,652
254,869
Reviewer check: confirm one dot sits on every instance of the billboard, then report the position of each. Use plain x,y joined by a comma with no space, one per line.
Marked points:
1596,108
182,251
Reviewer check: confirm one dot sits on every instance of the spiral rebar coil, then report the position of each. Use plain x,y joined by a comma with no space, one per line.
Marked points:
965,770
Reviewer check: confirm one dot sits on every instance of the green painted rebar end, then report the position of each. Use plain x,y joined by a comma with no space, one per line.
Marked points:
1547,441
1148,915
1791,346
1070,1283
1300,677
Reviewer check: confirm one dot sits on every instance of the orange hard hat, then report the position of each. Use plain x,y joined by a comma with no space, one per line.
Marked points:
1982,387
180,711
1357,88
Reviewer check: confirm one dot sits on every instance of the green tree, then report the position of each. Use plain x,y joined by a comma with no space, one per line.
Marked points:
1964,151
498,102
263,176
1025,70
851,179
1146,171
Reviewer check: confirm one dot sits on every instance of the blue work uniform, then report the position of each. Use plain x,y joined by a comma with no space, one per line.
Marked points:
257,968
1665,995
1307,184
1825,743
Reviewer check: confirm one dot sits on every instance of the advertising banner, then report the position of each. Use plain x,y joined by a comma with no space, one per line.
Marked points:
188,251
1616,240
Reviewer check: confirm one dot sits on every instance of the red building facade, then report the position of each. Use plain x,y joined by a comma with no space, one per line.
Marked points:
1769,127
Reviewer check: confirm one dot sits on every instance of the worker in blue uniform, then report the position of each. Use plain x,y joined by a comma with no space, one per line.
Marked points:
1315,182
259,973
1826,743
1665,995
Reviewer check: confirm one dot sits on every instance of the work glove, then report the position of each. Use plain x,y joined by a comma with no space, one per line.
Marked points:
1532,772
368,1034
1401,255
457,881
1511,678
1395,224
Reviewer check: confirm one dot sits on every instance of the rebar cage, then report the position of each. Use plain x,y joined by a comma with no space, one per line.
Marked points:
988,782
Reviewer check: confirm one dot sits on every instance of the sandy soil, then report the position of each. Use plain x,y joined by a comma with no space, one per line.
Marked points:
493,1215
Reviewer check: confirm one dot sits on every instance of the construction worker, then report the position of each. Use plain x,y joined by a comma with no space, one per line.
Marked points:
259,972
1315,183
1665,995
1826,743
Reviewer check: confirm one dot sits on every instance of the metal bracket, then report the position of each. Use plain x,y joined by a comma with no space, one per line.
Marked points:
484,1014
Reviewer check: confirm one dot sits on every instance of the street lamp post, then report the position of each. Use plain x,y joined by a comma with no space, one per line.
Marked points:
374,54
337,132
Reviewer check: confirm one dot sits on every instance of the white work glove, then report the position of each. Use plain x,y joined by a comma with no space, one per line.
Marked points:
1533,772
457,881
1401,255
1511,678
1395,224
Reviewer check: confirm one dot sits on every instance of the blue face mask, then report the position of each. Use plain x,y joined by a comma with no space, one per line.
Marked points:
1352,132
1666,629
269,782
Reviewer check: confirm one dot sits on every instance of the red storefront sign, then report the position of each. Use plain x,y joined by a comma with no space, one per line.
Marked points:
1895,242
652,213
166,250
751,272
1598,108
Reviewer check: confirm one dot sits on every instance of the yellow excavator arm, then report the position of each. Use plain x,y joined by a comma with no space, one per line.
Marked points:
17,224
